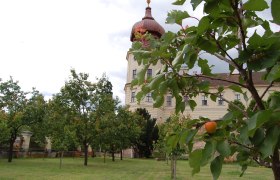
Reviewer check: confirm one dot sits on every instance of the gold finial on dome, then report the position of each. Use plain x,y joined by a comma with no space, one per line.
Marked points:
148,1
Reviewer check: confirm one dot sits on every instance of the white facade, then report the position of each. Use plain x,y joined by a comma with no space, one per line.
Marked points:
205,106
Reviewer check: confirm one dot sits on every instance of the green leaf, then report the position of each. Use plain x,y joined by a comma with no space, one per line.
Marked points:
205,69
255,41
163,86
207,45
245,96
195,3
213,97
208,152
192,104
159,101
236,88
204,85
243,137
228,116
179,2
258,137
179,56
134,82
194,160
274,100
139,96
176,16
179,104
216,167
257,121
275,4
172,141
156,81
191,135
242,156
141,75
274,74
203,25
270,142
221,89
223,148
255,5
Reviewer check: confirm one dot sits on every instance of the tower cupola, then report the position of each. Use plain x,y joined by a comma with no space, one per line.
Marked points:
148,24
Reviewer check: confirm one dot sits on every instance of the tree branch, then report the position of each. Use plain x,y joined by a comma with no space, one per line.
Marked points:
225,59
262,163
267,88
263,94
219,79
243,145
238,13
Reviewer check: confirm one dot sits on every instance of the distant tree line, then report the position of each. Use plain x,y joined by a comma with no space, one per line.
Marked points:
83,113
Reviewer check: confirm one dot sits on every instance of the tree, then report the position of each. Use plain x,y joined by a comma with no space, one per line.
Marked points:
36,110
223,32
172,128
149,133
87,105
60,131
19,111
128,129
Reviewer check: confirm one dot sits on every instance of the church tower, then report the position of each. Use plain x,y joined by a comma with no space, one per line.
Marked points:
147,24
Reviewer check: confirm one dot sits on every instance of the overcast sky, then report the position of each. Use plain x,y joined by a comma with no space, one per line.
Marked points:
41,40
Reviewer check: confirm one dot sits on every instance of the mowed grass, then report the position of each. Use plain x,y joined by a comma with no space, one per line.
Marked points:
134,169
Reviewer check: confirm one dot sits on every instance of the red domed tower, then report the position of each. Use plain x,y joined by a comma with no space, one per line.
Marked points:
146,25
149,24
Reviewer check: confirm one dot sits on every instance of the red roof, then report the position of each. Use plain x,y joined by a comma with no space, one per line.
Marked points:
149,24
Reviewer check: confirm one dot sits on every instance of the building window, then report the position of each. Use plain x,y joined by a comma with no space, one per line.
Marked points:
237,97
133,73
149,73
149,97
204,100
220,100
168,100
132,96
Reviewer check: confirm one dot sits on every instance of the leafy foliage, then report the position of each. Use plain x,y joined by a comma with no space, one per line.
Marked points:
223,32
17,111
149,134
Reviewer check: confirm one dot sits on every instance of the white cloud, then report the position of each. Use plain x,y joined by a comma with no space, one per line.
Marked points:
41,40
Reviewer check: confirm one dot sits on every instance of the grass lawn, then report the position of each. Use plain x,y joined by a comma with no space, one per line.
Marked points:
135,169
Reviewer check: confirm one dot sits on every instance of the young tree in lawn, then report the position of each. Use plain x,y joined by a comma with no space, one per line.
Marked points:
79,95
60,130
170,130
128,128
88,104
36,109
223,32
104,115
20,111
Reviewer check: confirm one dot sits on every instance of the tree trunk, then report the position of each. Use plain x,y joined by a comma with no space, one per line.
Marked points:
11,146
113,155
121,155
104,158
173,167
276,164
61,156
86,154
